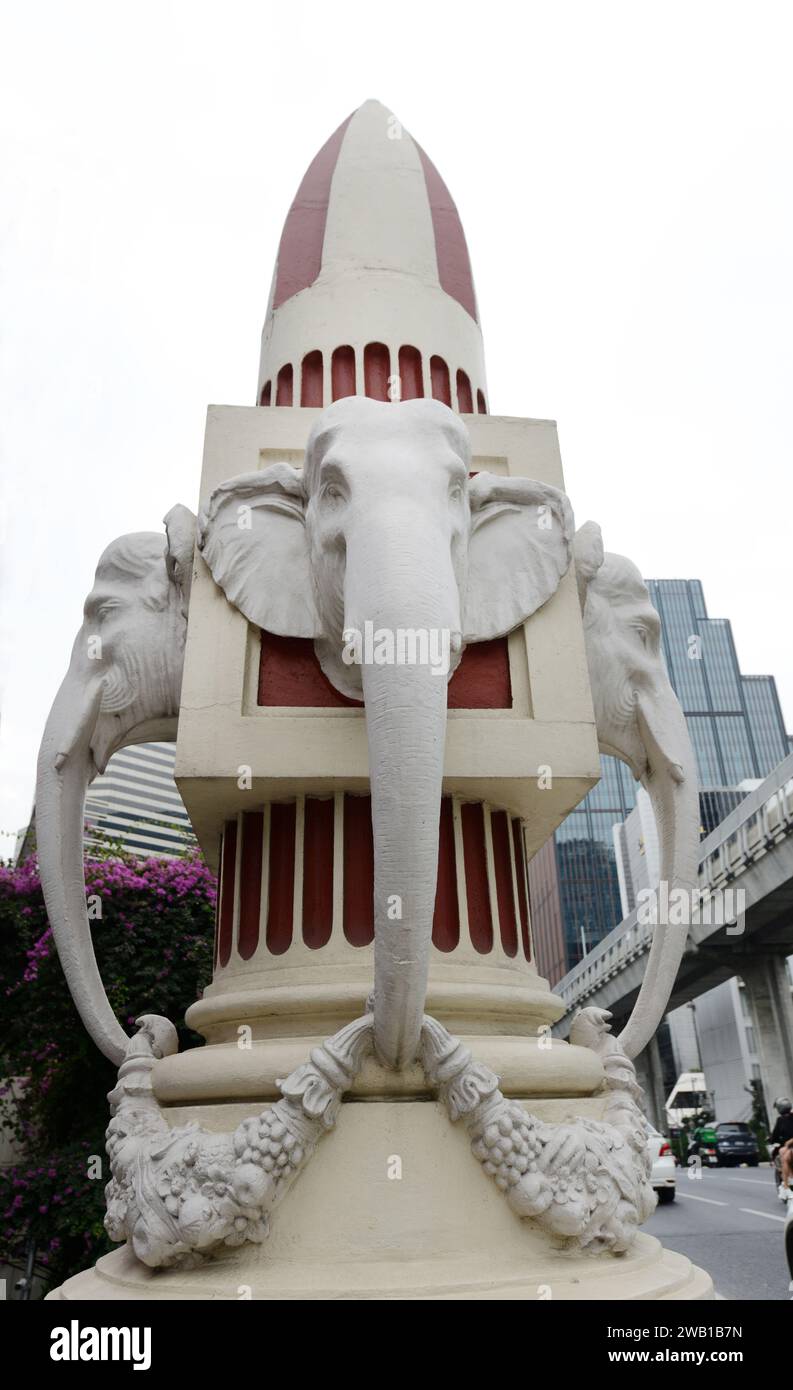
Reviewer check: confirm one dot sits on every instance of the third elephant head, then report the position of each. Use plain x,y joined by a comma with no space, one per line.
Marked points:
385,530
639,719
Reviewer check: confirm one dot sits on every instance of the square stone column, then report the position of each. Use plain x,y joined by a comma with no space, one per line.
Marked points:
768,986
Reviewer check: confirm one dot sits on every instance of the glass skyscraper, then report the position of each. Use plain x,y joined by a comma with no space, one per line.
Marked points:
738,734
735,721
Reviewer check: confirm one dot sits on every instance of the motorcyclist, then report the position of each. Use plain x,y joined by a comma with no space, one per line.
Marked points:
781,1141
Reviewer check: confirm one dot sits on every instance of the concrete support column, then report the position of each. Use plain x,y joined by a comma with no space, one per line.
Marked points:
768,988
649,1074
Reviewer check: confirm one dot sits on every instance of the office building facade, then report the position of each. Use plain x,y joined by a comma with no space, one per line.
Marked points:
135,804
738,734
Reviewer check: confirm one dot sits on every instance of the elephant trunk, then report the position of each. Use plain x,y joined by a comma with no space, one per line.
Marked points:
671,782
405,703
406,726
65,767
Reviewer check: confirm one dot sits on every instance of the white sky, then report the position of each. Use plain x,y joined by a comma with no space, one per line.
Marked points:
623,174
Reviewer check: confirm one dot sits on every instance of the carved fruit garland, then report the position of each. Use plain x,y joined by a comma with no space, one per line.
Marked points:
178,1194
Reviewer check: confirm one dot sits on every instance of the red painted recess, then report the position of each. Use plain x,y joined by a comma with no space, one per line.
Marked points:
284,387
358,870
411,381
446,921
505,894
439,376
226,919
300,250
480,924
342,373
482,680
250,882
454,263
291,676
267,392
311,379
480,403
280,906
376,371
317,871
465,402
520,868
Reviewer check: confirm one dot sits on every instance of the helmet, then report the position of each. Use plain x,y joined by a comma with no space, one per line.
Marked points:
783,1105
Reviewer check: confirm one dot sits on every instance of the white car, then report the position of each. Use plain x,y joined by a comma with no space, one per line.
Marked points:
662,1177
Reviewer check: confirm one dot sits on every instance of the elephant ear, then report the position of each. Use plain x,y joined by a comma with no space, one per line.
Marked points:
589,556
520,546
180,529
252,534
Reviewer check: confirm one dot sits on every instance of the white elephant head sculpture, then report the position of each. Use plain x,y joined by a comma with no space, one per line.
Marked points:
639,720
384,526
122,687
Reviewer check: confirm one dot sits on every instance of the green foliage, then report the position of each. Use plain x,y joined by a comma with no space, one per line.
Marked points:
758,1124
152,928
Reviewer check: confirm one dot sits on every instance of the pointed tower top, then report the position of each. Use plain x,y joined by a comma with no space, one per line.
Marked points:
372,291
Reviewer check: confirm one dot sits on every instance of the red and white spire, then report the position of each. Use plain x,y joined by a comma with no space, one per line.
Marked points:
373,280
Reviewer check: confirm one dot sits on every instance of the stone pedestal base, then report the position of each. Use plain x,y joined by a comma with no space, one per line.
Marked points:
394,1206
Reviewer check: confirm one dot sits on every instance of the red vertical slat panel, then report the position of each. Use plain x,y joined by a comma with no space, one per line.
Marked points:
520,869
342,372
446,921
283,390
299,259
317,872
411,382
464,399
358,870
281,898
311,379
480,403
226,919
439,375
250,882
376,371
505,895
476,885
267,392
454,263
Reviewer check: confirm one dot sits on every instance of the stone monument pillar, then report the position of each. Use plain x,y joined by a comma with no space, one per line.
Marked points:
466,1153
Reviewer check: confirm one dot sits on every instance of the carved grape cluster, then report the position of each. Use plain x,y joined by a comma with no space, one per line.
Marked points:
507,1145
267,1153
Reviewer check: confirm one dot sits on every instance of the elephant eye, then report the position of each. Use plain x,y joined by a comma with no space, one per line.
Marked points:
646,634
456,492
332,492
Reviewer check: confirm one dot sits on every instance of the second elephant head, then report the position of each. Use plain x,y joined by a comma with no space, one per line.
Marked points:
385,530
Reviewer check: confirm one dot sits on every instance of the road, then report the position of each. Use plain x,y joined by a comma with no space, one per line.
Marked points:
729,1222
